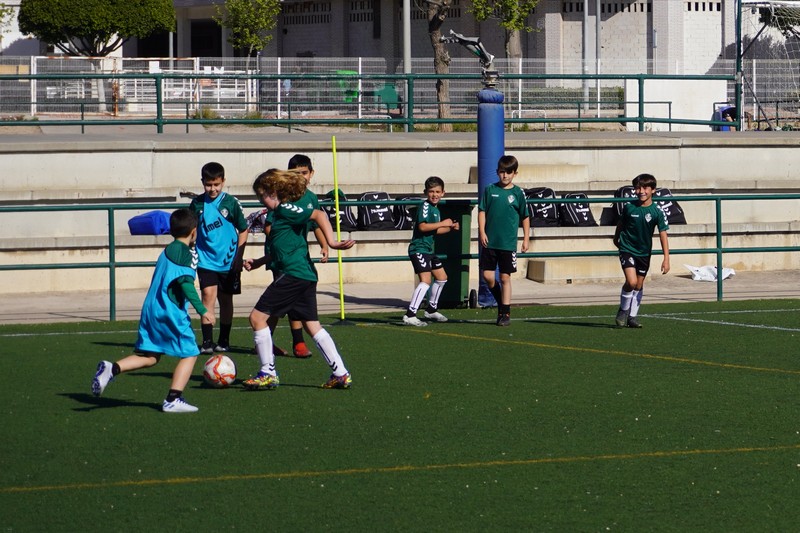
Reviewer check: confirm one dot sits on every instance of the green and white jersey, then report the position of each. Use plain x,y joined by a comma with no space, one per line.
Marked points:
504,210
288,246
637,225
422,242
219,223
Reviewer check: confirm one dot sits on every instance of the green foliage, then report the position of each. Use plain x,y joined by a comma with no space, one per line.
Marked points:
94,27
512,14
250,22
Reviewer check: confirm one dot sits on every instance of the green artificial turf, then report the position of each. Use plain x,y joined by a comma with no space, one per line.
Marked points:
560,422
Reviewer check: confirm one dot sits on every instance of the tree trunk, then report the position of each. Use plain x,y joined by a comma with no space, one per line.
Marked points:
441,60
513,44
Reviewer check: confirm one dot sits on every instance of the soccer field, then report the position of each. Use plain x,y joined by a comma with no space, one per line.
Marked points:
560,422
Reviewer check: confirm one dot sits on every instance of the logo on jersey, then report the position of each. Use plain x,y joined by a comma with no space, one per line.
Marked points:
195,258
648,217
511,198
294,208
224,212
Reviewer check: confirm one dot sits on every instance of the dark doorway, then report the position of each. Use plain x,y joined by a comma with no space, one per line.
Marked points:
206,38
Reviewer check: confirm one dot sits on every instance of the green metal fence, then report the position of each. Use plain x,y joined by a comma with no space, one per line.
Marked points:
112,264
185,99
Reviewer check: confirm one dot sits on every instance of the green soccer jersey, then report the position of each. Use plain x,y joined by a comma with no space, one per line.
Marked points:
422,242
504,209
287,240
637,225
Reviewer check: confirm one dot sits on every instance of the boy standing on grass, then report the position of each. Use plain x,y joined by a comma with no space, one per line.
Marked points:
165,326
294,290
428,224
501,209
221,236
634,238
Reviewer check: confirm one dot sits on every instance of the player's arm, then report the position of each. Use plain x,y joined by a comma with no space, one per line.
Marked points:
484,240
323,244
321,218
526,234
186,286
443,226
662,236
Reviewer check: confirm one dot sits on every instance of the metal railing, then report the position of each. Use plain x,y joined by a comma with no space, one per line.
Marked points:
112,264
168,93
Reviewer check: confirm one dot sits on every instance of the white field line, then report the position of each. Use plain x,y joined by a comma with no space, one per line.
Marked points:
666,316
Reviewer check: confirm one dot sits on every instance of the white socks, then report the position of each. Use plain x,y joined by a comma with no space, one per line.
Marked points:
263,340
328,350
438,285
636,301
419,295
625,300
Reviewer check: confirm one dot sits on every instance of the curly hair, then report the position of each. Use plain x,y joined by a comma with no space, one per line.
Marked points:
287,185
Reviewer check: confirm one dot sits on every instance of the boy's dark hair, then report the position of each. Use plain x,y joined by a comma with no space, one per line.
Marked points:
434,181
507,163
300,160
645,180
211,171
181,222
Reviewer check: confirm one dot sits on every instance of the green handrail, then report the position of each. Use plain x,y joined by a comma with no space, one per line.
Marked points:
112,264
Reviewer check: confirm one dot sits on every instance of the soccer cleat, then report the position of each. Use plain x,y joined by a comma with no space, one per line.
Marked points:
622,318
504,319
262,381
279,352
413,321
178,405
102,377
633,323
301,350
338,382
207,347
222,347
436,316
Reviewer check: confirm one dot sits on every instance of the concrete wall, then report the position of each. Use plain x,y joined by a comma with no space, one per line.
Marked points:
43,170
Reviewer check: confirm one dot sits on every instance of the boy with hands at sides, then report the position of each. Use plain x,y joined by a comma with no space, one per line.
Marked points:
221,238
501,209
634,239
426,264
165,326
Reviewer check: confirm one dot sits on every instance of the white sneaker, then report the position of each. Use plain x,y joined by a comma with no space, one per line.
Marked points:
413,321
178,406
435,316
102,377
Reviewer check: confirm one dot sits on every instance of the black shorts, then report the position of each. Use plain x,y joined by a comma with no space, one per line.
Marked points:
425,262
287,294
490,259
228,282
641,264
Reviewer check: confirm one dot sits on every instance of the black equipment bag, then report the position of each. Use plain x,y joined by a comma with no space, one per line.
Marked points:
576,214
672,210
347,220
542,214
626,191
375,217
405,214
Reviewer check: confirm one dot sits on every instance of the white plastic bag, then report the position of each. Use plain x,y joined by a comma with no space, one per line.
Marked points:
708,272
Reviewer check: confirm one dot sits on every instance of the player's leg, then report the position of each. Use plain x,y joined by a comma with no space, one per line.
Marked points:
174,402
340,377
267,376
422,268
209,282
487,263
507,262
628,264
299,348
225,300
107,371
636,302
439,281
273,323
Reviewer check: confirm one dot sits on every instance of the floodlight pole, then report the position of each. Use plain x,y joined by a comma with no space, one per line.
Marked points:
739,74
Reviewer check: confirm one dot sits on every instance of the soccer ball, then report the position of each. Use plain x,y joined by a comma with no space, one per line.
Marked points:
219,371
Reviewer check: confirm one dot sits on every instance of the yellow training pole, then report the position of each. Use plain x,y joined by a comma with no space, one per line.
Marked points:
338,226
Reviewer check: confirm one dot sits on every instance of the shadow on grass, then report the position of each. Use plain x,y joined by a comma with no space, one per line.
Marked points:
92,402
602,325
